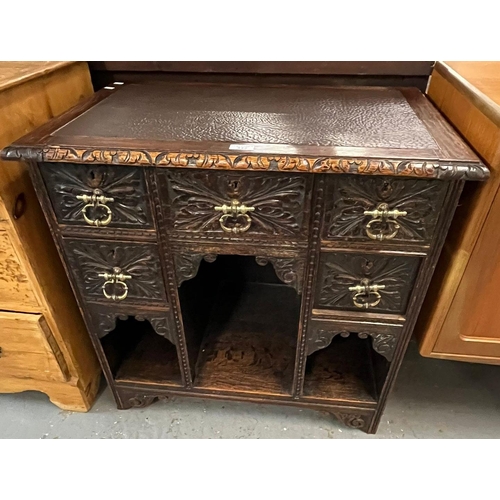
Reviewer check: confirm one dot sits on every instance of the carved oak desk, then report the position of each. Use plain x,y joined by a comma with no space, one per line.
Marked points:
266,244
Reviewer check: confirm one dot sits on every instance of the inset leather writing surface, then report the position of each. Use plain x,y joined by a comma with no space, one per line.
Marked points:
310,116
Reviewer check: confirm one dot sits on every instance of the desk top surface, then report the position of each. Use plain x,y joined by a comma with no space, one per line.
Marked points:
297,116
147,123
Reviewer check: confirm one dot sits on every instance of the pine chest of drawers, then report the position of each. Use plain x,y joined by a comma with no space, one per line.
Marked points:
266,244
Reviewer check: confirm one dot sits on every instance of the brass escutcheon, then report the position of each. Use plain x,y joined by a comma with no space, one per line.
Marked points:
236,211
383,214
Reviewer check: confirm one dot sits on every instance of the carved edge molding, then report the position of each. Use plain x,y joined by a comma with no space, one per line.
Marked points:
106,321
169,269
392,167
311,267
355,421
383,343
289,270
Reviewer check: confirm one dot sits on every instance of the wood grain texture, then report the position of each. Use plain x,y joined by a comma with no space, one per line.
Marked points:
29,349
35,96
467,269
15,288
250,342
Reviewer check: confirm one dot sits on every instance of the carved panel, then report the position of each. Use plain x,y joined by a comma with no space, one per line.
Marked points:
358,166
187,265
143,400
126,185
289,271
139,261
349,197
279,202
340,271
384,337
105,319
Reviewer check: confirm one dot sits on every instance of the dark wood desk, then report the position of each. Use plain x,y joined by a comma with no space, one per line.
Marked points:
262,243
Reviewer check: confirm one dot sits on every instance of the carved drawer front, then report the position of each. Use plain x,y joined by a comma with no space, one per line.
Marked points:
384,337
98,195
382,209
204,205
365,282
116,271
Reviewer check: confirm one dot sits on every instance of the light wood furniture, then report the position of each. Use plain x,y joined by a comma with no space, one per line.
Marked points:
253,242
460,318
43,342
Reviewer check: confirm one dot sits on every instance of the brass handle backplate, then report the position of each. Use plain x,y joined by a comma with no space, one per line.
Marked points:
117,277
96,200
237,212
366,290
382,214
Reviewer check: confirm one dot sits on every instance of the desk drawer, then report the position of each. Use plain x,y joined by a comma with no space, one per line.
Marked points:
98,196
246,206
355,209
116,271
28,349
384,282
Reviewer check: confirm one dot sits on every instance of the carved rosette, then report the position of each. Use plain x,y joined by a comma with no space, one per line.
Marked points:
355,421
393,167
142,400
289,271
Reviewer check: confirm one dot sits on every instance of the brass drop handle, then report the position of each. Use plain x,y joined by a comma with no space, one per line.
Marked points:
365,290
117,277
383,214
237,211
96,200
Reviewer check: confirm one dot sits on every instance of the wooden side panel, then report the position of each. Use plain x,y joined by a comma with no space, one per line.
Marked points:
16,292
455,322
472,326
23,108
28,348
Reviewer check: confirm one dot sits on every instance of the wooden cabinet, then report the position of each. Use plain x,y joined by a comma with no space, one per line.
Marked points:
291,275
460,318
43,342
